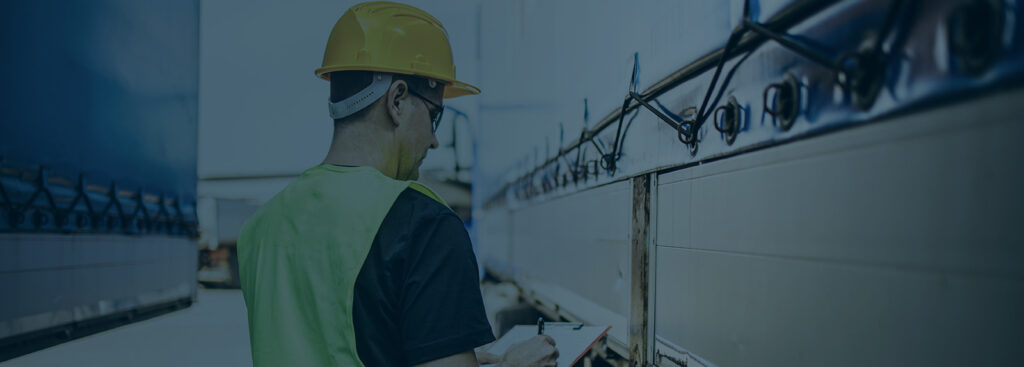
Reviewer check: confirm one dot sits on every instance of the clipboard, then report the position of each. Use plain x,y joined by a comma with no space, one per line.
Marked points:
573,340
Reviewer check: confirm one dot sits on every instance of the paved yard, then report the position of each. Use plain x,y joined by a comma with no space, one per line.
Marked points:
213,332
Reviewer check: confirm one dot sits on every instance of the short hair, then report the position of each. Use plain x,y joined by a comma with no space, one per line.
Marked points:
345,84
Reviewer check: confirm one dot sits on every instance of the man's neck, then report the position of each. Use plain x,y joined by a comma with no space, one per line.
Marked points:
355,146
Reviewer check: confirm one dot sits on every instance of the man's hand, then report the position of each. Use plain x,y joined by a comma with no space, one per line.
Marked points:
487,358
538,351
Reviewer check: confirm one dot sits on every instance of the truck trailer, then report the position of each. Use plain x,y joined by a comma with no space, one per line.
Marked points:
98,134
763,183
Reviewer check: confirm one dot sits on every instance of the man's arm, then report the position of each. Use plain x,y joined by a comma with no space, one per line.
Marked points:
538,351
441,307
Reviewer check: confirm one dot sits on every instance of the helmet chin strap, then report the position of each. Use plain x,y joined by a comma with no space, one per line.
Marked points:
357,102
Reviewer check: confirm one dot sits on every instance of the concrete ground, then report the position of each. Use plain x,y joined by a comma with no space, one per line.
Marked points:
213,332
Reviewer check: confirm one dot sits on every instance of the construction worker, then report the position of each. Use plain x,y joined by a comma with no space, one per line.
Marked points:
354,264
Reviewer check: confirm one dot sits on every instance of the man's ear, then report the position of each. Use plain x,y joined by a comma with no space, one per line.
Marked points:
397,99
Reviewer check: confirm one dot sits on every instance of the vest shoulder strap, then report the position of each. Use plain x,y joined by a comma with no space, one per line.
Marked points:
427,191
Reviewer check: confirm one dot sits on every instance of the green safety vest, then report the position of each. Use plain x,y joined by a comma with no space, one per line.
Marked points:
299,256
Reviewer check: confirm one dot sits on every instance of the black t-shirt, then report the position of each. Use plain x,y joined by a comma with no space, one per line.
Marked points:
417,297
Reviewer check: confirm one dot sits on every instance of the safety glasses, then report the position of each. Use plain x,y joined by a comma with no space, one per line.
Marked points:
436,111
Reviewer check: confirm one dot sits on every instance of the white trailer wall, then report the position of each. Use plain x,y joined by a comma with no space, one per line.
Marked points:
574,252
890,244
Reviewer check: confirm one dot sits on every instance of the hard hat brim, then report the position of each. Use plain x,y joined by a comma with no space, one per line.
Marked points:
458,89
453,88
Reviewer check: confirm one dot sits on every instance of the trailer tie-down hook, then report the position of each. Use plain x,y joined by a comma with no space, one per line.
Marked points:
785,105
974,34
730,120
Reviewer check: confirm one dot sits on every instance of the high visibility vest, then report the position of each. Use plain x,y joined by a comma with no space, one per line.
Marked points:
299,256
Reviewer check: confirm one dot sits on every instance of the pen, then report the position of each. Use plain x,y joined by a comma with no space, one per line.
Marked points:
540,325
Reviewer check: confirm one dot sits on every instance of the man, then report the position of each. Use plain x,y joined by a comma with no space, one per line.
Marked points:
352,264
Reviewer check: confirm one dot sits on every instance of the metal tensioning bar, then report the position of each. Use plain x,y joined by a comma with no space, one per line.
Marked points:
786,18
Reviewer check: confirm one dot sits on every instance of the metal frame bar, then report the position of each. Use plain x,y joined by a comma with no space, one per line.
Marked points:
786,18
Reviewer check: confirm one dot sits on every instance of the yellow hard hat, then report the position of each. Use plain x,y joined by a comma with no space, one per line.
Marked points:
389,37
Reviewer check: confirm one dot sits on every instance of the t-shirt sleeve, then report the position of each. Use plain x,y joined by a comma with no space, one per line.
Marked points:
443,310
